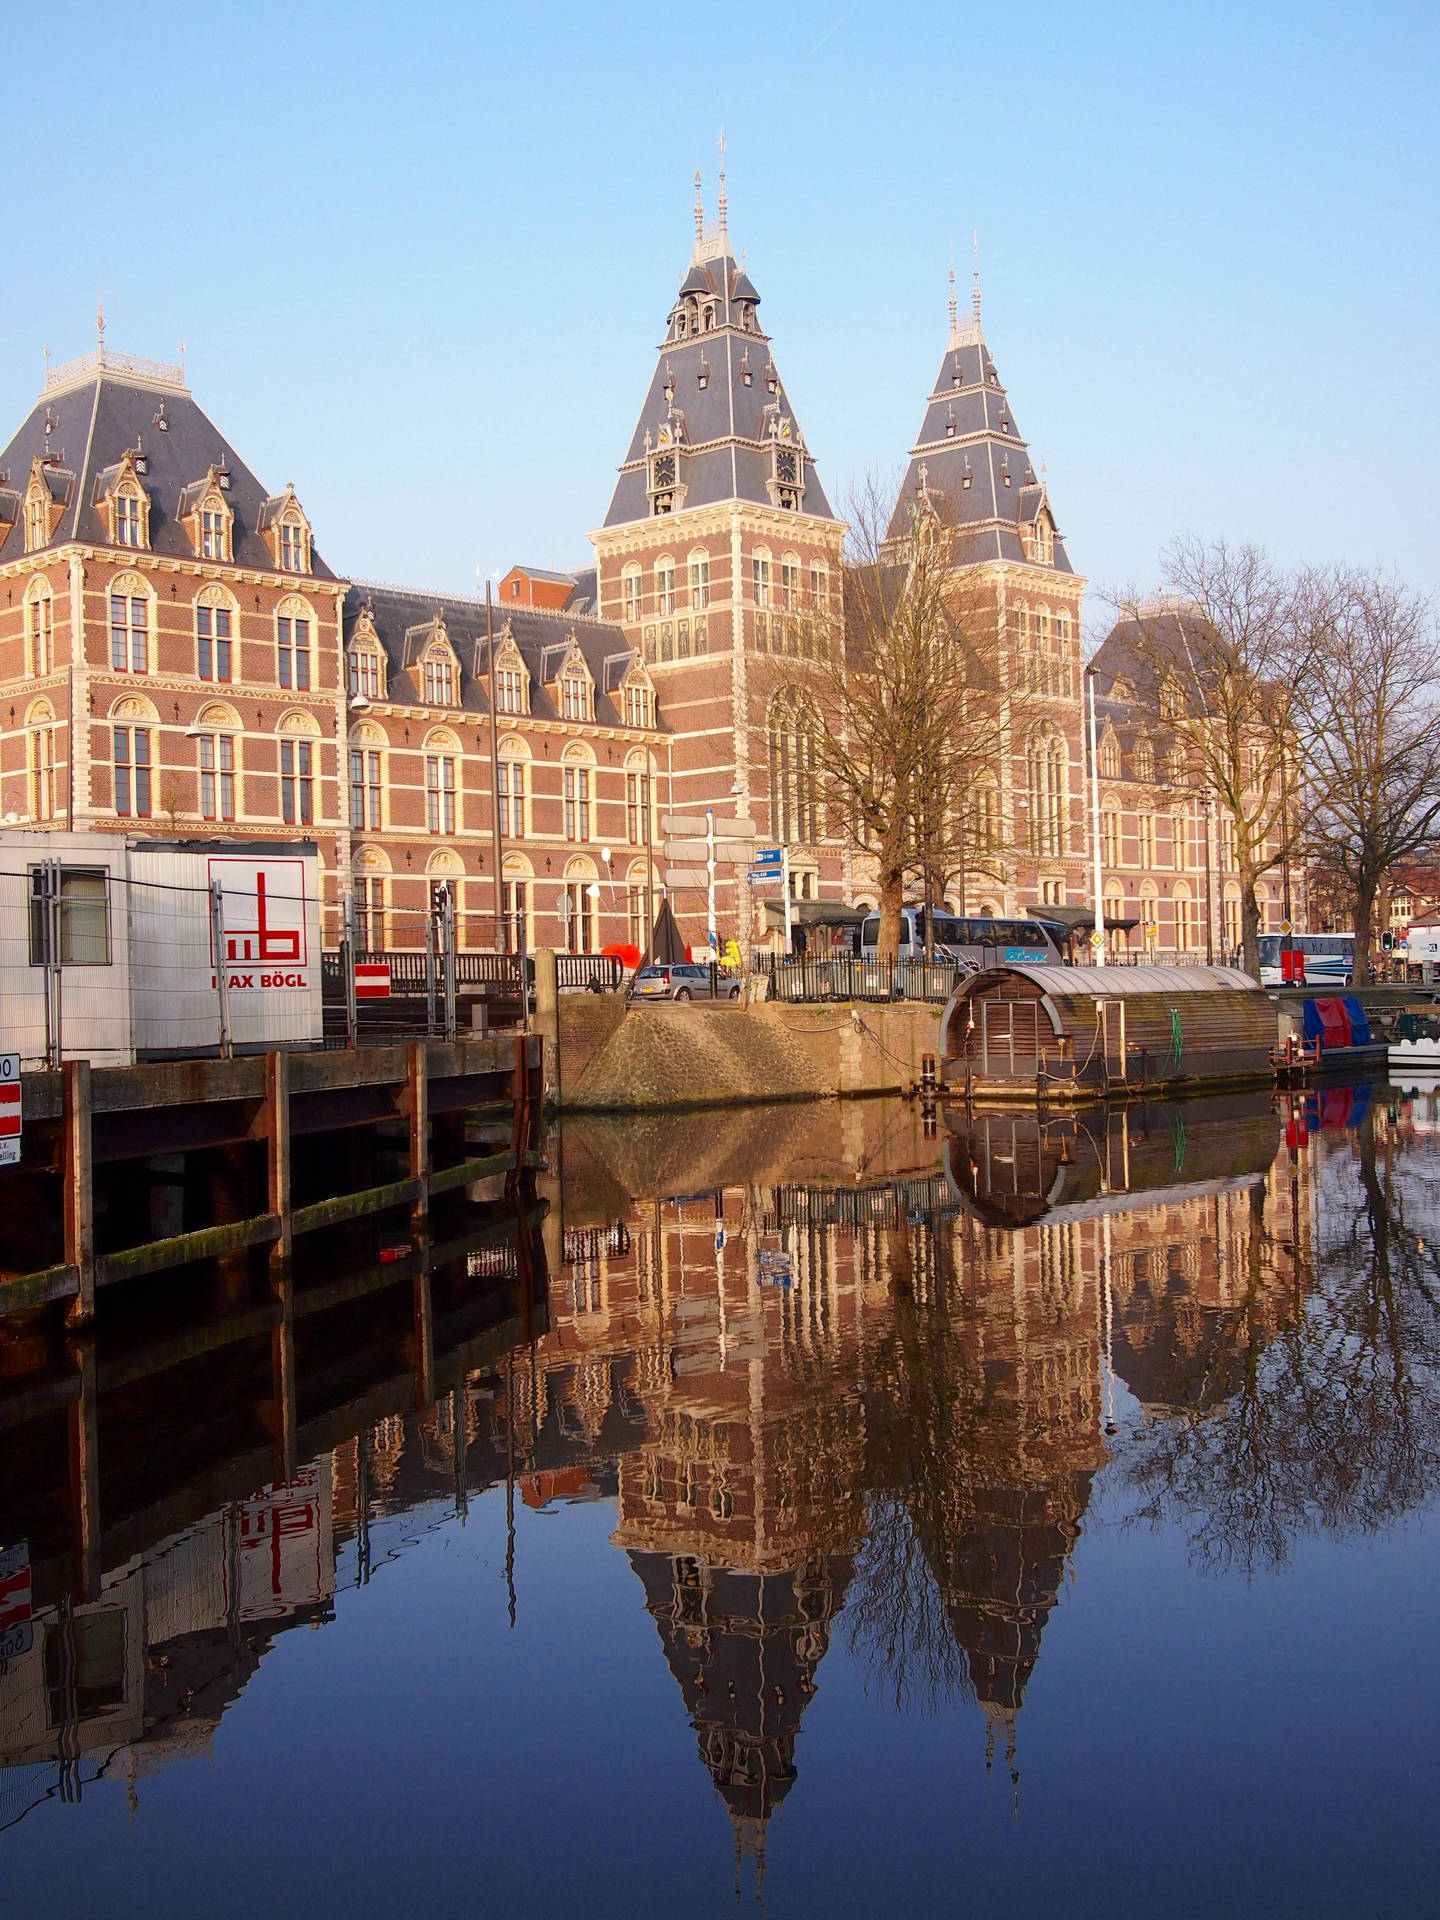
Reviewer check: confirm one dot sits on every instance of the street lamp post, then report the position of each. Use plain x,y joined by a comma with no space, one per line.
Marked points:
1097,946
1208,805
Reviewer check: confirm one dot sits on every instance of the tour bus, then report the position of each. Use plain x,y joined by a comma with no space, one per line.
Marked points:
1329,958
980,940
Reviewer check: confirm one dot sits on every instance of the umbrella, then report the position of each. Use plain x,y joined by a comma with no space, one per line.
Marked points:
666,945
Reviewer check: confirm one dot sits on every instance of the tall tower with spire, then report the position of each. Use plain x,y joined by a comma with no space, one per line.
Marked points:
718,546
971,467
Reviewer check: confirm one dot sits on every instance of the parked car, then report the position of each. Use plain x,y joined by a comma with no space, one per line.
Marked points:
683,981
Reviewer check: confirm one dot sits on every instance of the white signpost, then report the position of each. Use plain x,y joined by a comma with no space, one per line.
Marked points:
700,836
10,1116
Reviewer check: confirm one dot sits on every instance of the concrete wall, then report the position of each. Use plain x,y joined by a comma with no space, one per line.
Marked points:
708,1055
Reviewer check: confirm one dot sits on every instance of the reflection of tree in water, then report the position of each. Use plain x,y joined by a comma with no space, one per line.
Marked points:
1331,1424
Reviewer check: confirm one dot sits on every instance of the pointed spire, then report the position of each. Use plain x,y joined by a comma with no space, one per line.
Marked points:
724,202
100,325
699,211
954,313
975,295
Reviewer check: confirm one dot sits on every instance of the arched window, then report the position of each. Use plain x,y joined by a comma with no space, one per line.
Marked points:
441,751
39,629
582,899
794,770
217,727
367,782
294,624
639,702
577,777
1184,920
640,800
632,592
1143,759
40,733
790,582
512,776
1109,754
130,605
761,576
665,585
370,868
133,720
1048,770
819,586
1110,836
699,578
215,623
985,815
518,902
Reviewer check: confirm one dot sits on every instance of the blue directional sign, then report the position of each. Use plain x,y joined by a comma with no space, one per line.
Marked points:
769,856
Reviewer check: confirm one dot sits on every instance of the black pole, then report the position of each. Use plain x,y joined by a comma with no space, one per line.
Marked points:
501,941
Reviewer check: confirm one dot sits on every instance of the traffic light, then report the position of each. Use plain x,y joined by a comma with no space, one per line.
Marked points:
1387,941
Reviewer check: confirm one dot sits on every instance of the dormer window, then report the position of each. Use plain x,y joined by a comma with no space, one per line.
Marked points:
127,521
37,524
439,678
282,520
212,535
364,673
639,704
511,694
574,695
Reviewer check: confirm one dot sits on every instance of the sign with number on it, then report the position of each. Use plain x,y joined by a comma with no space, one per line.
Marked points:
9,1109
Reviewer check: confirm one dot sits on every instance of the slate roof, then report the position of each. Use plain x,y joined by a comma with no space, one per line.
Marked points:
92,424
724,427
969,434
404,622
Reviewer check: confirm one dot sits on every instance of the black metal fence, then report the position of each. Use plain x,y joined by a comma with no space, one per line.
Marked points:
587,972
848,977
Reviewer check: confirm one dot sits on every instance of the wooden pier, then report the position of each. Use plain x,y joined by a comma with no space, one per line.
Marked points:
83,1117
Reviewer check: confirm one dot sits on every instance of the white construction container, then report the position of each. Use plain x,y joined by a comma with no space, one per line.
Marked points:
107,946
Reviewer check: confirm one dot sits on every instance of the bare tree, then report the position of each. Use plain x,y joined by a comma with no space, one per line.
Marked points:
1222,657
1371,730
892,709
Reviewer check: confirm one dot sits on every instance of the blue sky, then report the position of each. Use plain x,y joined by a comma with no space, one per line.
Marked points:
421,257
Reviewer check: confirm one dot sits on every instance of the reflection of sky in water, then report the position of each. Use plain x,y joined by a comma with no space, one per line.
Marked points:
902,1519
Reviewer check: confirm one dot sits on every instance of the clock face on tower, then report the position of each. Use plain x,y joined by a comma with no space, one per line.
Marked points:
785,467
665,470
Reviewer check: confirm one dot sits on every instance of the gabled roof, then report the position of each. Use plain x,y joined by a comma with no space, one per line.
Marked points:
971,458
723,423
89,423
404,622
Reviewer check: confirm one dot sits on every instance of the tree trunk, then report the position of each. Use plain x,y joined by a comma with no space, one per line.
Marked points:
1364,921
1250,926
892,899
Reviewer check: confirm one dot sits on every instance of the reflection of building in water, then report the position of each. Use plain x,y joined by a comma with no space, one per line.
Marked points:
142,1675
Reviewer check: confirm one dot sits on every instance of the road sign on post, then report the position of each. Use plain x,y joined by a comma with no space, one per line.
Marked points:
10,1116
372,980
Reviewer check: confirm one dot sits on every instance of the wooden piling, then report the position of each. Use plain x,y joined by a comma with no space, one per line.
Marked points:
416,1101
79,1175
85,1471
277,1153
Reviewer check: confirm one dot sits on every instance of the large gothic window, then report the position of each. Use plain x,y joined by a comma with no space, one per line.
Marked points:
1048,768
794,770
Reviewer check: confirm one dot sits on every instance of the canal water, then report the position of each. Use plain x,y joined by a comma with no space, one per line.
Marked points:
828,1510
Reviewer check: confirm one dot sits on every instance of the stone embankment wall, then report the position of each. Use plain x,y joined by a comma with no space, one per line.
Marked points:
696,1055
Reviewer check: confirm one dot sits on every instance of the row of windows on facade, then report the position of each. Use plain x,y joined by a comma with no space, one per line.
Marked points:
132,638
378,925
439,681
515,799
134,767
211,526
768,587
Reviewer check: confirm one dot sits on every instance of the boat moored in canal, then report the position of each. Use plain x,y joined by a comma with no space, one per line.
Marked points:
1067,1033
